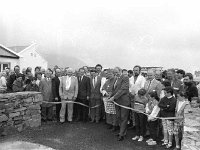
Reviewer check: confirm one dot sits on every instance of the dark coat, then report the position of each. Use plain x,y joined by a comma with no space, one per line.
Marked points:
55,87
191,91
121,91
83,88
45,87
167,107
95,91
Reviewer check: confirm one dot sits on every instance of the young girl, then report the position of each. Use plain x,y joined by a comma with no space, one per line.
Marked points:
153,122
182,102
167,109
140,119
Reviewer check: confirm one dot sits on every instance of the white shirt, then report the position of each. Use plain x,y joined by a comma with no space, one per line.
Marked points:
137,85
131,83
103,81
180,104
68,83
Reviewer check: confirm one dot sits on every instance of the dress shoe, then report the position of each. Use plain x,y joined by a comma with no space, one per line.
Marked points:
120,138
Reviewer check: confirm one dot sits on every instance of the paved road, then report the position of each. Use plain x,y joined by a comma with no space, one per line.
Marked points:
78,136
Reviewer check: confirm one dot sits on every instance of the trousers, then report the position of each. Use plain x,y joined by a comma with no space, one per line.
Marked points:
63,111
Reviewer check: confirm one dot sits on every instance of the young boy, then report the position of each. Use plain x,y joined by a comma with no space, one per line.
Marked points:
153,122
140,119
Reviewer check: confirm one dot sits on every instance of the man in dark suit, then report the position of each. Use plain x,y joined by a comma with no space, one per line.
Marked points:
95,96
120,95
83,96
55,91
45,87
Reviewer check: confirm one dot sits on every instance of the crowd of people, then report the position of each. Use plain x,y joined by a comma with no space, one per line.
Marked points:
108,93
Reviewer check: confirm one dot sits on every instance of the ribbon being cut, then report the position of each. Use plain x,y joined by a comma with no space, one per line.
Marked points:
152,116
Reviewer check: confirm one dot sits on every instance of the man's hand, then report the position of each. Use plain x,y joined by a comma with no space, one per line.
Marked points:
56,99
88,97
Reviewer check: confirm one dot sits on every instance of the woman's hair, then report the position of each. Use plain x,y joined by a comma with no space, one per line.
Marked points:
154,94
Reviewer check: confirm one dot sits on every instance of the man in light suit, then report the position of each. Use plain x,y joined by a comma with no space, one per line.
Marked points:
95,96
120,95
152,84
83,96
68,91
45,87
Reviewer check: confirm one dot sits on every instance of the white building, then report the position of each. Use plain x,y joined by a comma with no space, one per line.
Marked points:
24,56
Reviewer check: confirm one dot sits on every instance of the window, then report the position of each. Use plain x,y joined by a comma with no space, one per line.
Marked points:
4,65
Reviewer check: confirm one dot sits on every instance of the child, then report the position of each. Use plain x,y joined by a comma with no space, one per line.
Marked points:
32,86
167,109
182,102
195,103
153,122
140,119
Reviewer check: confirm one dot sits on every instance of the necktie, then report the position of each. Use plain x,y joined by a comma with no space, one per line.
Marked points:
94,81
149,85
116,82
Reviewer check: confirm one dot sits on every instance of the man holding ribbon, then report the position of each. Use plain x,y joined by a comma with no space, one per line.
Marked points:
120,95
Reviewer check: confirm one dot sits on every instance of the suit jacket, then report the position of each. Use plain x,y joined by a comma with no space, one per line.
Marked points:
72,91
45,87
177,85
121,91
154,86
95,90
84,88
55,87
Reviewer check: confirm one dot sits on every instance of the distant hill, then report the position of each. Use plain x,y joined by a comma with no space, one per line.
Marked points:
63,61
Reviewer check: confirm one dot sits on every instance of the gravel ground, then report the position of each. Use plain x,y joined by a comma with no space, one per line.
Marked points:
78,136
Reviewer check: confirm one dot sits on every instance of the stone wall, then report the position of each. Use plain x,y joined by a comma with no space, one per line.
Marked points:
191,135
20,110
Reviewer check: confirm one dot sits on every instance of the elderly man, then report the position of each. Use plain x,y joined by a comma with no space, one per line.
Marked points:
120,95
68,91
45,87
152,84
95,96
176,84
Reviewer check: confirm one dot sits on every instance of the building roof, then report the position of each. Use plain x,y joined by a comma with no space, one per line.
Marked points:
18,49
6,52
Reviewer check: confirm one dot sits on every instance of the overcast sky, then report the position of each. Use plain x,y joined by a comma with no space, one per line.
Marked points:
114,33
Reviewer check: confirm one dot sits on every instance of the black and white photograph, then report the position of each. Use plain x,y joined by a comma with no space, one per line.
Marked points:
99,75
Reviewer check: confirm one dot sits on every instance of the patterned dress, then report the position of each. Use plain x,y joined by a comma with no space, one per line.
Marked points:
109,106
